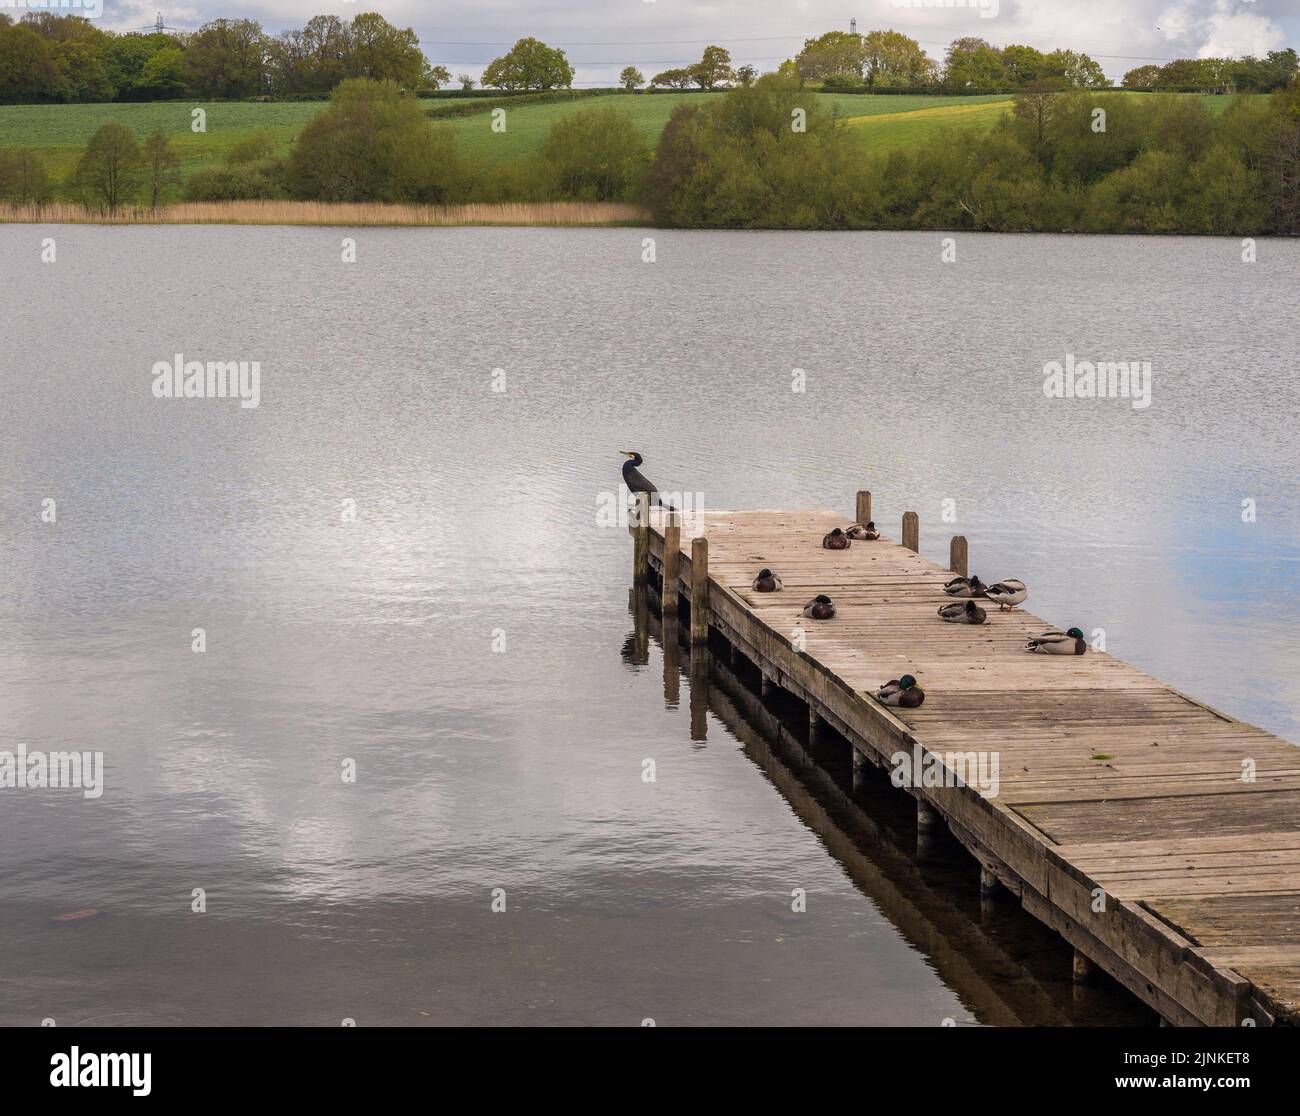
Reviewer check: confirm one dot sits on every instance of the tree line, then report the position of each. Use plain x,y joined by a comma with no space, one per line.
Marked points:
50,58
889,59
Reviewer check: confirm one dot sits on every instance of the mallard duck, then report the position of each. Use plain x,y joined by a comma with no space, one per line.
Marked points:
902,692
863,532
965,587
821,607
1007,593
958,613
767,582
837,540
1059,643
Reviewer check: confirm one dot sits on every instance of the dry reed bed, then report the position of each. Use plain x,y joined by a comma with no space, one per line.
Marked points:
333,213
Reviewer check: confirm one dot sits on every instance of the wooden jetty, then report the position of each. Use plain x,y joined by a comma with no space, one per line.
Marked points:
1159,837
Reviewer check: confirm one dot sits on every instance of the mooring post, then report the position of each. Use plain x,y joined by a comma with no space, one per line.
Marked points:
700,693
957,555
641,546
1085,972
859,768
912,531
672,558
699,591
928,823
641,624
672,661
862,513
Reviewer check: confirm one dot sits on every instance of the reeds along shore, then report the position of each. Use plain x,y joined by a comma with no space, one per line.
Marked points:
331,213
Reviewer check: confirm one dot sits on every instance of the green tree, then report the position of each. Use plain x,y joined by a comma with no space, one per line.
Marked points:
834,54
383,52
373,143
81,66
631,78
467,82
109,172
746,75
161,165
1142,77
595,155
227,59
674,79
892,58
1077,70
1023,64
27,70
713,69
973,64
529,65
164,74
1034,109
23,177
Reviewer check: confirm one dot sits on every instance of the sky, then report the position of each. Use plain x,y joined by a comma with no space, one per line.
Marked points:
600,37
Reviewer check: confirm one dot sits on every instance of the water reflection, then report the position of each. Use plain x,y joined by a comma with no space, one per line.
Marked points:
1007,968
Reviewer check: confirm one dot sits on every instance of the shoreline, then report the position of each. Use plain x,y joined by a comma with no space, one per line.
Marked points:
344,214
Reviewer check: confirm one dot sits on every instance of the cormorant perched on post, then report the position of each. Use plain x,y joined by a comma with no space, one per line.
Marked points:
636,481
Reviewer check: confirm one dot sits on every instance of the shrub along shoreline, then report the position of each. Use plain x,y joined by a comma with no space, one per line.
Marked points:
568,214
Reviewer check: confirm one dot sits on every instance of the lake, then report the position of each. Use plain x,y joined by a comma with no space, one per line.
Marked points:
394,564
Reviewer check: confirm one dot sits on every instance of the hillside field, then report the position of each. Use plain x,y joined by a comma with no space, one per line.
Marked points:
59,132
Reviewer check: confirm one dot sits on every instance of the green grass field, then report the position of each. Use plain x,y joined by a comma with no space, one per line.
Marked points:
60,132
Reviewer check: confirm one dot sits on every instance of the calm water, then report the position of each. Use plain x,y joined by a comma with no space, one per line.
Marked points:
520,769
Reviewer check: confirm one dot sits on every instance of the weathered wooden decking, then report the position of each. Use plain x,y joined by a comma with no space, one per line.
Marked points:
1198,870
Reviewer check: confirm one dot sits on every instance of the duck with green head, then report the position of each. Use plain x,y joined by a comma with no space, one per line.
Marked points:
1008,593
1069,642
965,587
959,613
821,607
903,693
767,582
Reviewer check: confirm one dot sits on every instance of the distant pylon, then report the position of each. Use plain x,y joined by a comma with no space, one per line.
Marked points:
853,26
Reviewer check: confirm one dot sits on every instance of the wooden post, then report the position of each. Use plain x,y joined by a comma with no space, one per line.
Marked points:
672,557
912,531
1085,972
990,885
641,547
699,591
928,819
700,693
862,513
957,556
